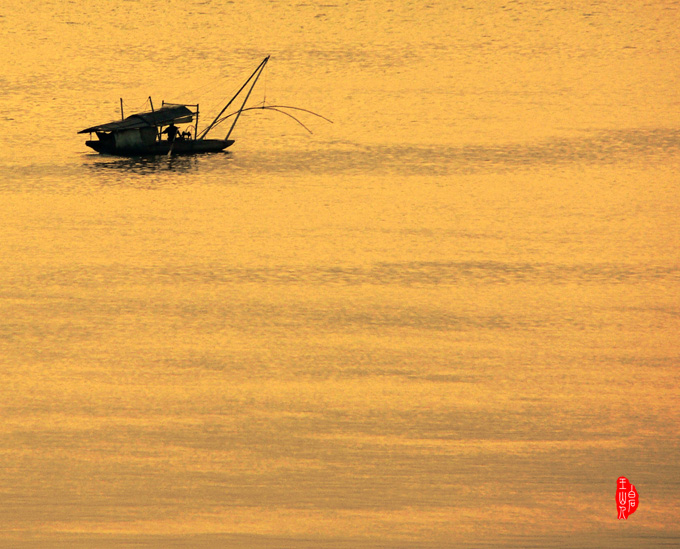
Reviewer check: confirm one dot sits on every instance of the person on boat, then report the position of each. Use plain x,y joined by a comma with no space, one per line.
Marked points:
172,132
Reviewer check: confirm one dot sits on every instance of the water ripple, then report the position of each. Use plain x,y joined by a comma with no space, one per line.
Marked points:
383,274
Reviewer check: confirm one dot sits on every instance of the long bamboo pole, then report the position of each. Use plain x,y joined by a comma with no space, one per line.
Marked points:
247,96
259,68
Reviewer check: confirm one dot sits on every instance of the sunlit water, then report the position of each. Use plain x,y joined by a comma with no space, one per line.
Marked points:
447,319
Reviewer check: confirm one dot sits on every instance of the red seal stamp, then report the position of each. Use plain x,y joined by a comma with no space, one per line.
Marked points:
627,500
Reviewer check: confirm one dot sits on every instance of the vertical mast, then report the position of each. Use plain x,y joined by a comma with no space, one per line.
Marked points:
153,114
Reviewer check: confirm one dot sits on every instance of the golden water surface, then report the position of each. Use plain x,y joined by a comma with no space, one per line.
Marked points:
448,319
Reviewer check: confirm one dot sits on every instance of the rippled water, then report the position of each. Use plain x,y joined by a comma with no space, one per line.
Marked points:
449,318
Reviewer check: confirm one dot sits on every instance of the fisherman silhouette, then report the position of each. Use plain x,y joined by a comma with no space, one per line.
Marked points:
172,131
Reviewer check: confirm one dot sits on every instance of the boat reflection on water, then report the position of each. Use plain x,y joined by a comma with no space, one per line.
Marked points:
146,172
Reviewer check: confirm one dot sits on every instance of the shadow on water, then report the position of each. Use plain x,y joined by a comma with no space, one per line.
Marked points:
594,148
604,148
403,274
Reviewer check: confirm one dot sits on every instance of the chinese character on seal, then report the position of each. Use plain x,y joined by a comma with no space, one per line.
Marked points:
627,499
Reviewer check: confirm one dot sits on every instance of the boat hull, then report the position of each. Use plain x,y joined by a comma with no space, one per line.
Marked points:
179,147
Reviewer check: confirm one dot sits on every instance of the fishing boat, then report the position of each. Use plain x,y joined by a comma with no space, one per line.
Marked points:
156,132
